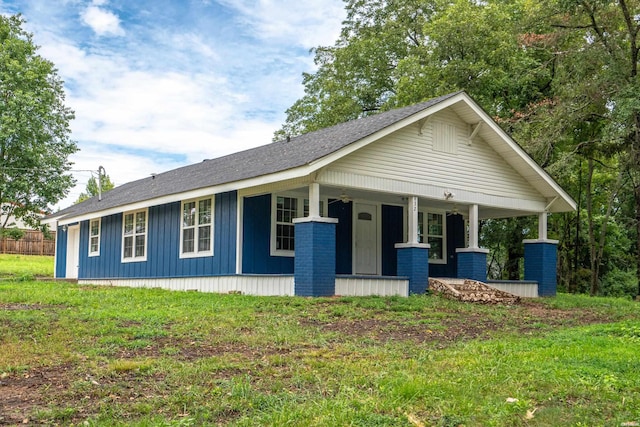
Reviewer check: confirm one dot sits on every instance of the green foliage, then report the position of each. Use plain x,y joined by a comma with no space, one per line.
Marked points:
34,127
561,76
397,53
11,232
619,283
92,188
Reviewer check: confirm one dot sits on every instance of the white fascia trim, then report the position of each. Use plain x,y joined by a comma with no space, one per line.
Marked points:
320,163
194,194
49,221
297,172
521,153
308,169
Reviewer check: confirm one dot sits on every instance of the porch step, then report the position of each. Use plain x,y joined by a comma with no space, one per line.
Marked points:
471,291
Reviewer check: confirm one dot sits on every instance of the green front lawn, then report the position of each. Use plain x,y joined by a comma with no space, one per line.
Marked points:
25,266
118,356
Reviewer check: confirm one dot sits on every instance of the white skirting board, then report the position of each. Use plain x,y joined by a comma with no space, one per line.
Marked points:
359,286
277,285
245,284
524,290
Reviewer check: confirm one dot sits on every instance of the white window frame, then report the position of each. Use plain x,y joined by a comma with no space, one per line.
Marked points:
196,227
135,234
97,236
425,217
300,211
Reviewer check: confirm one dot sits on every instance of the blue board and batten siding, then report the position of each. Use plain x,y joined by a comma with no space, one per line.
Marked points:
163,243
163,246
343,212
392,233
256,245
61,252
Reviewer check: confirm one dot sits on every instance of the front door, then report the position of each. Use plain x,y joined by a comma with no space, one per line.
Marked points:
73,252
366,241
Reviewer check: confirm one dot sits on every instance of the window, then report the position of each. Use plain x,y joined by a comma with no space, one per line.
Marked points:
134,236
196,228
434,234
94,237
284,209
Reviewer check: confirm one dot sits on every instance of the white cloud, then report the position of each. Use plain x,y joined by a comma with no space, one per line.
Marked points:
306,23
102,21
135,122
172,94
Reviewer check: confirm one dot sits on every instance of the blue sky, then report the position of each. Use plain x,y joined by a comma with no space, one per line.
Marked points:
157,84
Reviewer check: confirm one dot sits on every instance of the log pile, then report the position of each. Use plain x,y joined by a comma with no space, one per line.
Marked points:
471,291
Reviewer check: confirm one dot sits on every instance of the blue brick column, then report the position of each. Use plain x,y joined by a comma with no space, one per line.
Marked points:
472,263
413,262
315,257
540,262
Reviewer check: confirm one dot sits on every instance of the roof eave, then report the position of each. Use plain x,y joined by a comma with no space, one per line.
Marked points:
549,185
292,173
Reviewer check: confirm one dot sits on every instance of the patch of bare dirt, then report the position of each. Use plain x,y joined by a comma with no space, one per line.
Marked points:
19,306
21,394
189,350
526,318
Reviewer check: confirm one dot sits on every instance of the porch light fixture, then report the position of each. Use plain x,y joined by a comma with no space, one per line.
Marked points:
448,195
344,198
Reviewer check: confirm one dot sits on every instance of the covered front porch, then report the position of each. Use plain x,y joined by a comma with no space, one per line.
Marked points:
355,241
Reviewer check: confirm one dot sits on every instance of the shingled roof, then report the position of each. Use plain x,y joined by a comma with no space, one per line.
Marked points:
263,160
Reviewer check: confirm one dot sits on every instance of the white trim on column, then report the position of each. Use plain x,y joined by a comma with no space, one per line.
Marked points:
473,226
475,250
412,219
314,200
542,226
412,245
315,219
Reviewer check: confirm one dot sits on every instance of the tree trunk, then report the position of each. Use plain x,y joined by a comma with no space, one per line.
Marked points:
513,264
592,239
637,197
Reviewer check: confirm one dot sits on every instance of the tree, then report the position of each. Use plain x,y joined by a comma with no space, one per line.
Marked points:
357,76
34,128
92,188
397,52
596,107
559,75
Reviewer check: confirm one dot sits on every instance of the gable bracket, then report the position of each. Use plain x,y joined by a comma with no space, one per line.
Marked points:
474,131
422,124
546,209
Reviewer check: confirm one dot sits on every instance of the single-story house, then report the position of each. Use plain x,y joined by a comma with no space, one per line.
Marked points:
370,206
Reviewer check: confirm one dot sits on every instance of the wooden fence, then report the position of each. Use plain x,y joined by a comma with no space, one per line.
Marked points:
32,243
